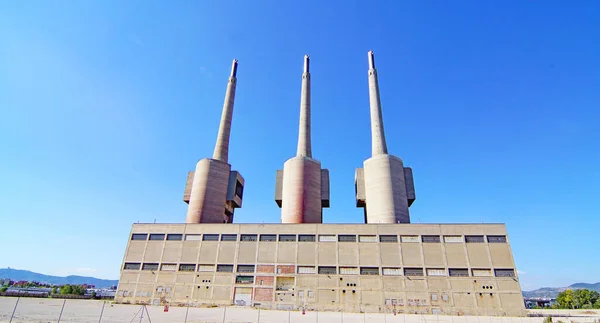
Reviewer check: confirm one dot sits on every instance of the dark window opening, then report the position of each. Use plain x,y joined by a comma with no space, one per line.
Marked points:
496,239
388,238
454,272
369,271
175,237
132,266
504,272
327,270
157,236
346,238
210,237
474,239
224,268
229,237
139,236
413,271
287,237
268,237
306,238
430,239
150,267
187,267
248,237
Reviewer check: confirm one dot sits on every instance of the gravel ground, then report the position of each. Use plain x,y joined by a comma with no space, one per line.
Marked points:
30,310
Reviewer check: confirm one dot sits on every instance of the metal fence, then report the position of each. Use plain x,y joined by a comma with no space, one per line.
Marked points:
26,310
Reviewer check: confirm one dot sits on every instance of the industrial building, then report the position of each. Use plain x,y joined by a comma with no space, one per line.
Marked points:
386,264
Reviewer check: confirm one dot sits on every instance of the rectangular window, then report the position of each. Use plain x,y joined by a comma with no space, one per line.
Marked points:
306,270
392,272
224,268
482,272
249,237
287,237
474,239
139,236
168,267
174,237
306,238
458,272
326,238
434,297
244,280
187,267
245,268
157,236
150,267
430,239
229,237
193,237
436,272
413,271
346,238
410,239
496,239
349,271
369,271
132,266
388,238
310,294
210,237
505,272
206,268
367,238
268,237
436,311
453,239
301,294
323,270
445,297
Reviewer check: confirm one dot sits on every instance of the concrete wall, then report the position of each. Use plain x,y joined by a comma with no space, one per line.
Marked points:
362,274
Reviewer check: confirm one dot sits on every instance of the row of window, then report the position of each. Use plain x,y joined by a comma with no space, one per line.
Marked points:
321,238
330,270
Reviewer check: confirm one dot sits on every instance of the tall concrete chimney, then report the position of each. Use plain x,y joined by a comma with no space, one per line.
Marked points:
302,187
384,187
213,191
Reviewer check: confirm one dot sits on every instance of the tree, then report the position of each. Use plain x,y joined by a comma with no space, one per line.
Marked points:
3,289
53,289
565,299
65,290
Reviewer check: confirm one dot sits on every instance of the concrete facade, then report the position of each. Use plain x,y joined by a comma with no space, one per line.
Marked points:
381,187
299,191
459,269
209,188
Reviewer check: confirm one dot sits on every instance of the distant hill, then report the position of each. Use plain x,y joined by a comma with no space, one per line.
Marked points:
17,274
552,292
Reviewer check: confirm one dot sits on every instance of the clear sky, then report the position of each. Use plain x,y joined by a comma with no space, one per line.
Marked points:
106,105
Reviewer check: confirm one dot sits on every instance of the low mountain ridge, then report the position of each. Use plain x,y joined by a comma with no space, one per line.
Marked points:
18,274
552,292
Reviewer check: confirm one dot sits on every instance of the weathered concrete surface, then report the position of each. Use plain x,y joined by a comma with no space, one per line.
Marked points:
32,310
209,192
385,190
301,200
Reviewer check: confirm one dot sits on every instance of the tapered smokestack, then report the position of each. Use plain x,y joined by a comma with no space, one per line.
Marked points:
384,187
222,147
302,187
213,191
378,144
304,145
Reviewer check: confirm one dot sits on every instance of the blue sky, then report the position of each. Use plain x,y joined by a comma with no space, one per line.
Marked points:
105,107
